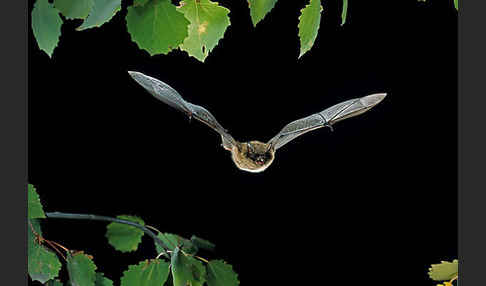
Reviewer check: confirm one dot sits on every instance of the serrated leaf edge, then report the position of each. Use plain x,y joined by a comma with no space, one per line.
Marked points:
36,199
433,268
99,25
206,50
264,16
150,52
69,18
91,264
225,263
139,240
318,26
58,36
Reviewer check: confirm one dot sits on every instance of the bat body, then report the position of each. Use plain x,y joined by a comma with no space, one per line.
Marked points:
253,156
256,156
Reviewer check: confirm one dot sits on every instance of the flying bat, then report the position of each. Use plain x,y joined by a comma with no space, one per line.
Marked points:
256,156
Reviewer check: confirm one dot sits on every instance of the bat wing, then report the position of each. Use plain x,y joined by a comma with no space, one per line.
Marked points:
327,117
171,97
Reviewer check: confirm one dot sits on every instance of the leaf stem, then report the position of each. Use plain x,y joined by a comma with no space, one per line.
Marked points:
202,259
59,245
53,246
41,240
455,278
109,219
158,255
153,228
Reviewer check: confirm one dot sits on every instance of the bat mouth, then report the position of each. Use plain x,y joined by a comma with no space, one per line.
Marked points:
260,162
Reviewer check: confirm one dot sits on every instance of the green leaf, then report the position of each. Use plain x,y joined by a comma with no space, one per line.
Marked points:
74,9
55,282
157,27
140,2
34,205
456,4
187,270
174,240
181,272
101,280
152,272
171,240
202,243
123,237
102,12
344,12
46,26
43,264
81,269
198,272
189,247
259,9
221,274
444,271
309,22
208,24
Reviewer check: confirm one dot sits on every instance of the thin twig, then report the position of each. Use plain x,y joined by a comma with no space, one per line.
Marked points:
202,259
187,254
109,219
158,255
153,228
164,236
53,246
41,240
168,251
455,278
58,244
35,232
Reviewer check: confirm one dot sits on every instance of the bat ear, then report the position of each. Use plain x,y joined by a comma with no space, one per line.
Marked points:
373,99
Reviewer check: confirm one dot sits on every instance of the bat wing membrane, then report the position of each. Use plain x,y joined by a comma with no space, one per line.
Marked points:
326,117
171,97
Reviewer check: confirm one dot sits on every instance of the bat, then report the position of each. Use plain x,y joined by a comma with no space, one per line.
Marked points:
255,156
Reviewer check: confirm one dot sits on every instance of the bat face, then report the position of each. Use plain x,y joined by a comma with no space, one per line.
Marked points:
253,156
256,156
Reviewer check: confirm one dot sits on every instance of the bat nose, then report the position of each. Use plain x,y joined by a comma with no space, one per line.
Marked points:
373,99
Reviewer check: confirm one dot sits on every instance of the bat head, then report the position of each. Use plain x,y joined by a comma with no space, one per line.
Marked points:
253,156
258,152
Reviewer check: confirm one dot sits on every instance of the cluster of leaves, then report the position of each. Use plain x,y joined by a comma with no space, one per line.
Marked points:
158,26
445,271
177,257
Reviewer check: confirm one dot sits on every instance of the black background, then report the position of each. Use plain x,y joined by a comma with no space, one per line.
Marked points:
373,201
